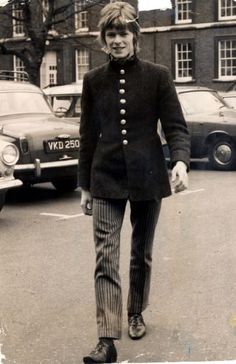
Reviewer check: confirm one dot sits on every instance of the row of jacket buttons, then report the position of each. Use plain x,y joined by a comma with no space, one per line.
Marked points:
123,102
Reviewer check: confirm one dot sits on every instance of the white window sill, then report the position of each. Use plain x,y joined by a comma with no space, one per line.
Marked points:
184,80
224,79
82,30
225,18
19,35
177,22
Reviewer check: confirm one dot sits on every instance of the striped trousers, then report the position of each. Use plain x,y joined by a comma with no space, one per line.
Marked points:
108,217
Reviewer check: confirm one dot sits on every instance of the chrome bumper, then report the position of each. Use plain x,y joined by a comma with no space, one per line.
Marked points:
5,185
37,166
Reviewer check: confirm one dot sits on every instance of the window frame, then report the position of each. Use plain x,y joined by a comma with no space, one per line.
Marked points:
79,14
17,24
176,60
219,67
85,55
18,66
230,17
189,12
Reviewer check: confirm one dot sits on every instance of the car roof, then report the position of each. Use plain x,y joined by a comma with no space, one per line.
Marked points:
74,88
180,89
10,86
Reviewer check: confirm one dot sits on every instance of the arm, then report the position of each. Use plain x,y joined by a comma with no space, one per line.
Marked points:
88,136
173,122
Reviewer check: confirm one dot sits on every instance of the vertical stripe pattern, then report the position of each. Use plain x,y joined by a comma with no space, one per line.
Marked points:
144,217
108,217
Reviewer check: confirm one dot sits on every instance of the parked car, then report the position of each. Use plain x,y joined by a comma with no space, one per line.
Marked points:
229,97
48,145
66,98
212,126
9,155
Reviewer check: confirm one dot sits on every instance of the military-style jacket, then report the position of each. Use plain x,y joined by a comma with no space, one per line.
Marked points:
121,154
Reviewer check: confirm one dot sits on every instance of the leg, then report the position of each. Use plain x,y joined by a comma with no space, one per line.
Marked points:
144,217
107,219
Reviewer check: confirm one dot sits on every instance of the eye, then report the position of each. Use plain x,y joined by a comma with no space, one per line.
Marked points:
123,34
110,34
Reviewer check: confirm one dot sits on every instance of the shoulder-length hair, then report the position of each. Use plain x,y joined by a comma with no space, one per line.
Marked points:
119,15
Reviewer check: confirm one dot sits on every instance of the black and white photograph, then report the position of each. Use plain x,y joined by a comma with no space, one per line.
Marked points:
117,181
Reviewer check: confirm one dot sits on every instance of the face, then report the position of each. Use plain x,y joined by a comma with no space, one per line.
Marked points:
119,43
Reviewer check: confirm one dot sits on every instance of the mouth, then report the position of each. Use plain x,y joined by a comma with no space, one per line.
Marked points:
118,48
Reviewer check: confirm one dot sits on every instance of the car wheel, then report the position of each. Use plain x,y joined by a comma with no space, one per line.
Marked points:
222,155
2,199
65,184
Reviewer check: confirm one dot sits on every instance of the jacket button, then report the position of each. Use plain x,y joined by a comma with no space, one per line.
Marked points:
122,91
123,131
125,142
123,122
122,81
122,72
122,111
122,101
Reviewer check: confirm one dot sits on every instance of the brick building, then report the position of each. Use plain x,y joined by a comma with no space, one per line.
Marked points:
71,49
196,40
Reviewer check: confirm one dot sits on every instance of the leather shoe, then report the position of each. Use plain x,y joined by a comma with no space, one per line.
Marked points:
136,325
103,353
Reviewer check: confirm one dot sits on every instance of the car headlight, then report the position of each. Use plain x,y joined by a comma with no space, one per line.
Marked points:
10,154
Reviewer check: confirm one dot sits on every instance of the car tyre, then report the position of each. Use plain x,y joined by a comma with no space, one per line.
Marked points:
2,199
222,155
66,184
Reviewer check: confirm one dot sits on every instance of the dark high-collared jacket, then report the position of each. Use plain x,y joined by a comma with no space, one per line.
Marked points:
121,154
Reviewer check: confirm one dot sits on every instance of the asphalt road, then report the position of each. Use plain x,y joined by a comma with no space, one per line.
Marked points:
47,313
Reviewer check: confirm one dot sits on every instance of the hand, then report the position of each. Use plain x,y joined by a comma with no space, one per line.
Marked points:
86,202
179,177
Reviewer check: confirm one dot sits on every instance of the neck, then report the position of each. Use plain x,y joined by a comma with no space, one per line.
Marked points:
123,60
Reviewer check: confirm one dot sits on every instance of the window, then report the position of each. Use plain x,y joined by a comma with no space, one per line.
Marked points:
183,62
17,21
227,9
227,59
197,102
48,70
82,63
81,16
19,67
183,11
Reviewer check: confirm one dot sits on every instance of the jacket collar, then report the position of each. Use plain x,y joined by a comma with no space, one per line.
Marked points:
126,63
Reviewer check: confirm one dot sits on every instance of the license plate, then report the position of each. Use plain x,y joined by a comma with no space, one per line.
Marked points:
61,145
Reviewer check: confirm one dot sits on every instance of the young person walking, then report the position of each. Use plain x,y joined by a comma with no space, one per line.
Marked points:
121,159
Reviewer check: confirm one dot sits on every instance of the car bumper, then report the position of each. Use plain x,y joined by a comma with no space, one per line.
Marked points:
44,170
5,185
37,167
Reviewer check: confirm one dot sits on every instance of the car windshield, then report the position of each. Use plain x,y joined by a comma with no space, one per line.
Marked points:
23,103
71,105
199,102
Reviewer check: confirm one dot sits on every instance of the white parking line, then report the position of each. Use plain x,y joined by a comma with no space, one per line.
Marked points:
2,356
61,216
187,192
67,217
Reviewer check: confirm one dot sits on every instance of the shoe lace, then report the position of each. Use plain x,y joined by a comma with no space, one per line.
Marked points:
136,320
98,348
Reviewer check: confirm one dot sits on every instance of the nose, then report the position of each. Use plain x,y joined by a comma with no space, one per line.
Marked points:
117,39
